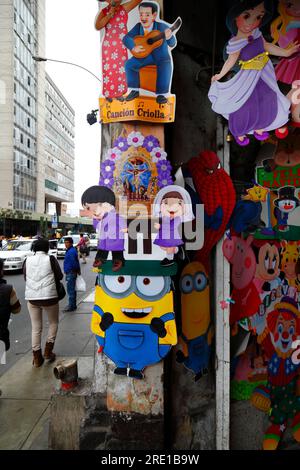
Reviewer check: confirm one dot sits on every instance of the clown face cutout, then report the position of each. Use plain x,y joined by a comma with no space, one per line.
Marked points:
284,334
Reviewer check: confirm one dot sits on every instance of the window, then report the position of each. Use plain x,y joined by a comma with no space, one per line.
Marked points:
28,164
28,143
28,101
28,122
29,39
15,87
29,80
21,138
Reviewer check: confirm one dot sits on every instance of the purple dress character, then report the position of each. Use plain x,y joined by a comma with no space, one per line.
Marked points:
100,201
251,100
174,206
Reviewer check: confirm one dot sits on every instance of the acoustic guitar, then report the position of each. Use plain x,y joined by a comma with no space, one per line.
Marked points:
152,40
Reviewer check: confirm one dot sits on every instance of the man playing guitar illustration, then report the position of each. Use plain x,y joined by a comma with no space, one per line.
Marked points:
150,42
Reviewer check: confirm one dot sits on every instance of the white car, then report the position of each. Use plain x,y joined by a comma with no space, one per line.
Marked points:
16,251
93,241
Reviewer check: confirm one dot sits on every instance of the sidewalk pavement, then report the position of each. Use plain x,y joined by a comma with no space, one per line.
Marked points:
26,391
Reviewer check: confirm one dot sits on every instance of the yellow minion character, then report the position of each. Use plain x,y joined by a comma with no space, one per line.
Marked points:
133,319
197,329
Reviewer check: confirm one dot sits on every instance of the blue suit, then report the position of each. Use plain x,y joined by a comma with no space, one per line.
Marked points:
159,57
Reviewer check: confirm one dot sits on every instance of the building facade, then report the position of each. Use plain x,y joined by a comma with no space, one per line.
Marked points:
31,172
59,146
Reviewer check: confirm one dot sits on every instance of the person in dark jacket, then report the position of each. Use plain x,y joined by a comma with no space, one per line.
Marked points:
71,269
9,303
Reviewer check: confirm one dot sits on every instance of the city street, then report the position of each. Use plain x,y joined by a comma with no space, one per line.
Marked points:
20,326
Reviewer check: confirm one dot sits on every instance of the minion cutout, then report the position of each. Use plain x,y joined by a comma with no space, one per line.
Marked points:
197,329
133,317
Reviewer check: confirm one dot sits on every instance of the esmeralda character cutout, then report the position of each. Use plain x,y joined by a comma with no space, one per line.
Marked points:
251,100
100,201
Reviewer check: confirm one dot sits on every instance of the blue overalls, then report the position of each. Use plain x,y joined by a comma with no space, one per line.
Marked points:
198,353
134,346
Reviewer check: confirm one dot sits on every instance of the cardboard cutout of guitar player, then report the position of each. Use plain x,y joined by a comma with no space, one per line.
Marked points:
148,71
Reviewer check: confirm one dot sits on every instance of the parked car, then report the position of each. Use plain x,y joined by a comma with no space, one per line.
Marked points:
61,249
15,252
93,241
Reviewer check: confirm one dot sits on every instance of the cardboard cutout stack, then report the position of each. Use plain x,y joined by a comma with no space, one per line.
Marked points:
133,316
137,65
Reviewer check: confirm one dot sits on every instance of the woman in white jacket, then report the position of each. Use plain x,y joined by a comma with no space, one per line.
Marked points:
42,274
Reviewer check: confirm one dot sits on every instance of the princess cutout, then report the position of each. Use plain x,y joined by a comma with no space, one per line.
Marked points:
251,100
286,29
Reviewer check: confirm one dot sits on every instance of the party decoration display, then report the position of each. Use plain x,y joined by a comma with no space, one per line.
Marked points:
249,370
282,221
251,100
241,256
174,206
280,395
246,216
133,317
141,91
290,252
285,31
100,202
268,276
196,326
215,190
136,168
113,19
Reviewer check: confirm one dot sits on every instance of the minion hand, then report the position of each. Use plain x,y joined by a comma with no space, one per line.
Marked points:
107,321
158,327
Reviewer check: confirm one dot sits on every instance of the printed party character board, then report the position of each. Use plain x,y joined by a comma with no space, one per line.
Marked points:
196,326
100,202
113,19
135,168
133,316
280,396
251,100
148,70
285,31
173,206
281,210
214,188
245,296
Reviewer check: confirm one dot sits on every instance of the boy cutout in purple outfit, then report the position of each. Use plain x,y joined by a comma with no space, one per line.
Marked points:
100,202
251,100
174,206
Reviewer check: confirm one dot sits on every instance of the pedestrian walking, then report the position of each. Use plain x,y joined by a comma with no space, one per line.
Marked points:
71,269
42,274
82,248
9,303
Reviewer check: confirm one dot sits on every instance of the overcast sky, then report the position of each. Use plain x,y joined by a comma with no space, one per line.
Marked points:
71,36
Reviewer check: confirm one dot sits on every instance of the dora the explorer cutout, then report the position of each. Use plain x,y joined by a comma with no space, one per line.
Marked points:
142,64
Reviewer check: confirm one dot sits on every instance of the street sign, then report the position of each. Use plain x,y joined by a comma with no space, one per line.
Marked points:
54,222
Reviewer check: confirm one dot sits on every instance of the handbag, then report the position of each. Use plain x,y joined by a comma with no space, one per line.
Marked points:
80,284
61,291
60,288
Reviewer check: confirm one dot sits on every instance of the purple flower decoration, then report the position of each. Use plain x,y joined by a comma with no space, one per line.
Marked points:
121,144
150,142
163,166
164,180
107,168
106,181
